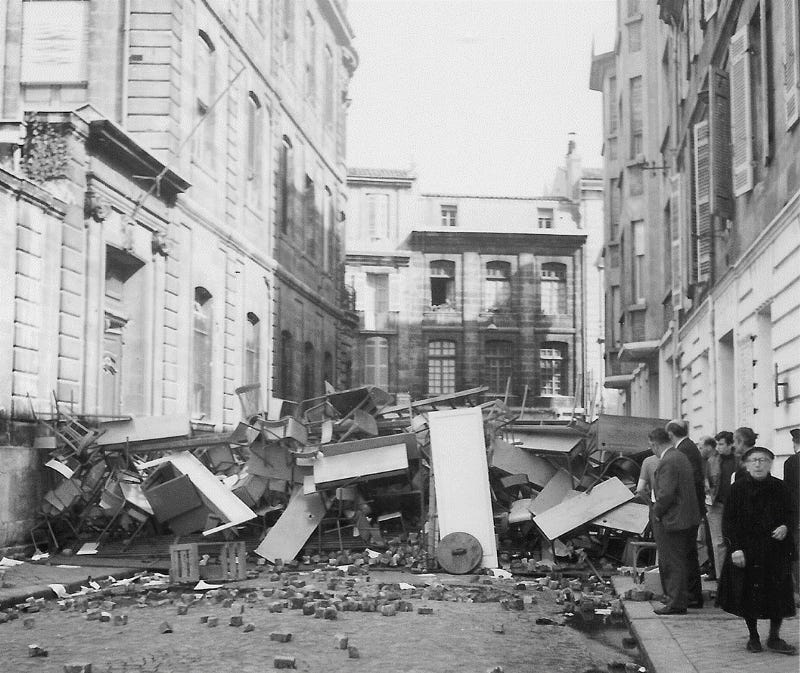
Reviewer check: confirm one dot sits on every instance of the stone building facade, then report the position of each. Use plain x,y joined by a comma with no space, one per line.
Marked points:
724,104
459,291
172,199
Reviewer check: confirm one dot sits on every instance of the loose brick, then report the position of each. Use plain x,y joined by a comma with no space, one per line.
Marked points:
353,653
248,628
499,628
236,620
309,608
298,603
340,641
183,610
204,619
76,667
93,615
28,623
276,606
389,611
331,613
36,651
424,611
212,622
495,669
164,627
228,602
284,662
120,620
280,636
319,613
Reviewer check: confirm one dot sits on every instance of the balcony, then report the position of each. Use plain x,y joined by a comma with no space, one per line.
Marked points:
378,321
442,315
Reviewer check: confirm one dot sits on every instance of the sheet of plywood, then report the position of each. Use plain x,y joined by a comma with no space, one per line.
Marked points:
624,434
631,517
583,508
330,470
512,459
463,500
144,428
224,503
553,493
291,531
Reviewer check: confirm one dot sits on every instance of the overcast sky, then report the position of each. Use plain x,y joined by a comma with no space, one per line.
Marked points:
478,94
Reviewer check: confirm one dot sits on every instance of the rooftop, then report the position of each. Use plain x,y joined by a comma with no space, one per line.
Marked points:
380,174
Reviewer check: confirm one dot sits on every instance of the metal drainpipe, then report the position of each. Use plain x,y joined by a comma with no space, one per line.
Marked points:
126,44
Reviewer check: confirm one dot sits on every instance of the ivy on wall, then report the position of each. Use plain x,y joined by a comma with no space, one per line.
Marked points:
45,153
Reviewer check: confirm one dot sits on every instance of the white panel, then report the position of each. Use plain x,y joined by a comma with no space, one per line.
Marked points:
54,46
291,531
359,464
461,472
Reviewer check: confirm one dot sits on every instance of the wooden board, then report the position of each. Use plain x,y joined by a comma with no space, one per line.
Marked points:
632,517
624,434
339,469
553,493
291,531
463,501
512,459
144,428
583,508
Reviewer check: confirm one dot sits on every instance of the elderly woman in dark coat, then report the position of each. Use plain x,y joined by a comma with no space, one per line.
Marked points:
756,581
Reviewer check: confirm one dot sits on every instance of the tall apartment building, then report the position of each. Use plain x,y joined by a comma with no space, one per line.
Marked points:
459,291
173,194
723,106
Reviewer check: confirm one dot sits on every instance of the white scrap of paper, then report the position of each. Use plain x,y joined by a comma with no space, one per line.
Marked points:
94,586
64,565
502,574
372,554
10,562
202,585
59,589
405,585
39,555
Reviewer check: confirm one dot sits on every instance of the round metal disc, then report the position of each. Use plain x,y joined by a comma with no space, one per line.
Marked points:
459,553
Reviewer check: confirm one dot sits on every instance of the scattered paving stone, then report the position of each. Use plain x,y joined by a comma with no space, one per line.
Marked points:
353,653
495,669
75,667
276,606
105,616
93,615
389,611
319,613
35,650
499,628
340,641
183,609
236,620
165,627
28,623
284,662
331,613
424,611
212,622
120,620
204,619
280,636
248,628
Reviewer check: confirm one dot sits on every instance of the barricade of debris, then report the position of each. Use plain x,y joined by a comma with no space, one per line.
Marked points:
350,479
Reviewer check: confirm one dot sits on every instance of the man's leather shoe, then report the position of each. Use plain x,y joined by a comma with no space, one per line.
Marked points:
666,610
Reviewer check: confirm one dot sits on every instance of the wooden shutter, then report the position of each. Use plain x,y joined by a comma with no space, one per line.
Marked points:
702,184
791,74
676,226
720,143
709,8
741,113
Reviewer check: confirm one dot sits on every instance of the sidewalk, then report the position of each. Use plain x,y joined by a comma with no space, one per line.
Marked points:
702,641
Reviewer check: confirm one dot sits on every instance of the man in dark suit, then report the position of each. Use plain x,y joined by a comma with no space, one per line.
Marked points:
791,477
675,519
678,435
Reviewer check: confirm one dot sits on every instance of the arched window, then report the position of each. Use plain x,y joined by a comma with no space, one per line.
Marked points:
287,365
205,85
554,288
310,217
284,185
552,368
327,368
202,352
252,349
499,365
442,277
376,362
254,149
441,367
309,371
497,289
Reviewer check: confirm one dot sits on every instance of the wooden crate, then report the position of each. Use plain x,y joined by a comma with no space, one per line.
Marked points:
227,562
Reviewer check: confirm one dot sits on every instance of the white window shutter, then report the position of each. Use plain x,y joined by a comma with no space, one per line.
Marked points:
709,8
741,113
719,131
360,287
702,186
676,224
394,291
791,66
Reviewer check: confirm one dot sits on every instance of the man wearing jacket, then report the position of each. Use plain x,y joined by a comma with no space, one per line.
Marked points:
676,516
678,435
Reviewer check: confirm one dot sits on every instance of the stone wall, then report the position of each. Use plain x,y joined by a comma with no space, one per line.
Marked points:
22,484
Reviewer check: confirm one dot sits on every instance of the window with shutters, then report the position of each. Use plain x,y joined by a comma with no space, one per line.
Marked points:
311,60
635,36
310,217
376,362
54,42
702,201
638,271
442,280
255,123
441,367
613,117
497,287
287,365
376,304
636,117
377,217
761,88
791,62
284,179
615,315
205,67
719,139
202,352
741,111
553,288
676,228
327,227
287,35
614,208
552,369
499,365
252,348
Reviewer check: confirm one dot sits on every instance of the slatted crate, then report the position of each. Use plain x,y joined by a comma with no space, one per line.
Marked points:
226,562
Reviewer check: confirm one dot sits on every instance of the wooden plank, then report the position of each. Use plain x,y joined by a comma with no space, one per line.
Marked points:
510,458
143,429
290,532
463,500
553,493
583,508
520,511
336,470
632,517
625,434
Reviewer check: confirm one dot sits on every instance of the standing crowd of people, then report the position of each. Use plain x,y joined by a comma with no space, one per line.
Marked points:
721,496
